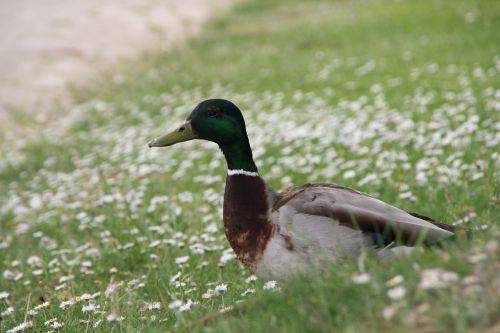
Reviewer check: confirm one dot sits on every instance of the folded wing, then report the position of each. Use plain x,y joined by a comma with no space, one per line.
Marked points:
360,211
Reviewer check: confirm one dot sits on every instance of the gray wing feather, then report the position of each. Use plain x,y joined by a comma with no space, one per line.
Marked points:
359,211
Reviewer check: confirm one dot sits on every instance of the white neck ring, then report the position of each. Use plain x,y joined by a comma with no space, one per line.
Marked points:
242,172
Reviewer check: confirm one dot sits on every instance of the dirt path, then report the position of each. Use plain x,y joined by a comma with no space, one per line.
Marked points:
46,45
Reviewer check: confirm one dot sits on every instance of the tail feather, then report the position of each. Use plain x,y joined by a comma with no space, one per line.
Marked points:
456,230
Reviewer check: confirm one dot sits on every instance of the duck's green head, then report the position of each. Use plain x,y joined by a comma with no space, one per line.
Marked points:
219,121
215,120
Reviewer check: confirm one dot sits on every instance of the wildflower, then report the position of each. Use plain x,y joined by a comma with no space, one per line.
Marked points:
186,306
394,281
87,263
227,255
175,304
34,261
67,303
110,289
179,284
181,260
491,246
270,285
54,324
396,293
362,278
251,278
202,264
247,292
155,244
208,294
226,309
135,283
436,278
388,312
4,294
66,278
449,277
36,202
430,279
476,258
90,308
470,279
220,289
41,306
9,311
21,327
349,174
152,306
59,287
50,321
86,297
185,197
57,325
175,277
472,215
112,317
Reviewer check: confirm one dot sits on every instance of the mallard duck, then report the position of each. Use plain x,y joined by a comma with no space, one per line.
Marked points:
278,234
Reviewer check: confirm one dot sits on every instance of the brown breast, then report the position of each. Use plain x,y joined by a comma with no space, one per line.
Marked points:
246,222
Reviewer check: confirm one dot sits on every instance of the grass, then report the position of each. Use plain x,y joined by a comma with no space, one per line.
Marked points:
396,98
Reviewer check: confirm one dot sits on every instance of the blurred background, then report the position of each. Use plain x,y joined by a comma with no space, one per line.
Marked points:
48,45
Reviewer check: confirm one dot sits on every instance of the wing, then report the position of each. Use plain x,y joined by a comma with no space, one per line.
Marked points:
358,211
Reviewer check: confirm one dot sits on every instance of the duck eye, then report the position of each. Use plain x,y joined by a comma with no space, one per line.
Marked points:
213,113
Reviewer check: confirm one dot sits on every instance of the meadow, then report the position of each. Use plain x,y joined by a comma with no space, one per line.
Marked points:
399,99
